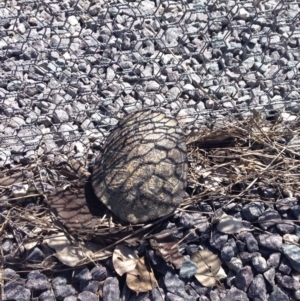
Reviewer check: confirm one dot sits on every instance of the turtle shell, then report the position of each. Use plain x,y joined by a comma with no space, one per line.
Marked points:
142,172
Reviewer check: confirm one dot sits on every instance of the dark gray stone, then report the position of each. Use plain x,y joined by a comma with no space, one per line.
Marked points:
292,253
259,263
35,255
174,285
257,289
252,211
111,291
289,282
251,242
173,297
62,291
235,294
87,296
10,275
285,228
244,278
296,211
269,218
270,241
274,260
285,204
270,276
89,285
218,240
46,296
99,273
37,281
15,292
285,266
188,269
278,295
82,274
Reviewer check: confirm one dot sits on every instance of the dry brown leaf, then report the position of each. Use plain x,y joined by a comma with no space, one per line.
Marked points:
230,225
141,279
124,259
208,266
168,250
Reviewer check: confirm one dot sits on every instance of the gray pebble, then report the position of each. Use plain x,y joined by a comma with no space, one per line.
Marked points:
35,255
292,253
188,269
252,211
243,278
270,276
15,292
218,240
37,281
257,289
269,218
91,285
235,294
174,285
99,273
62,291
82,274
111,291
278,295
251,242
289,282
47,296
259,263
270,241
87,296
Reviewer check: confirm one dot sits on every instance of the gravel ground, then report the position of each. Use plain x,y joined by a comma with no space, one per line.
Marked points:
70,69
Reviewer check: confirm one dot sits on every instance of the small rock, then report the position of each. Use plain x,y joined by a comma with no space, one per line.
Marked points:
62,291
16,292
174,285
274,260
235,294
72,20
91,286
257,289
37,281
60,116
188,269
99,273
269,218
285,266
278,295
235,264
47,296
243,278
292,253
36,255
10,275
14,85
88,296
270,276
228,251
82,274
243,14
252,211
218,240
270,241
289,283
251,242
111,289
259,263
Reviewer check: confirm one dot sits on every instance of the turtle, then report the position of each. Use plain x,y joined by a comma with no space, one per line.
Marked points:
141,174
